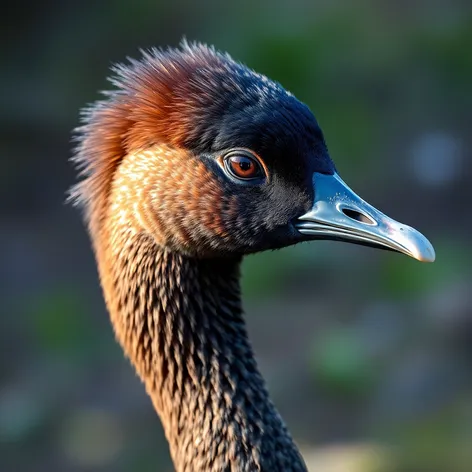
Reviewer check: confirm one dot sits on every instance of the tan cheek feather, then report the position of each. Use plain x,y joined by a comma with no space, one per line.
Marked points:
170,194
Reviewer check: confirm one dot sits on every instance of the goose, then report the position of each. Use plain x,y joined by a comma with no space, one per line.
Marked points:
190,163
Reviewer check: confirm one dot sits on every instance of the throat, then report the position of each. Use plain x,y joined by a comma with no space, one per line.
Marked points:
179,320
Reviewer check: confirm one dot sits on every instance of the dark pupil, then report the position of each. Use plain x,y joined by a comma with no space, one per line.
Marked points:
244,164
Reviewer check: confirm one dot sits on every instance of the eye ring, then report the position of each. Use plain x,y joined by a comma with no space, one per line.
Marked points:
243,165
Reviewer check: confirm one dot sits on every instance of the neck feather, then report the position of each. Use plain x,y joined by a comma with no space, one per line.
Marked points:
179,320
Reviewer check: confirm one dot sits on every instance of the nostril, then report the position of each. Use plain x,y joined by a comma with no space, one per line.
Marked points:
358,216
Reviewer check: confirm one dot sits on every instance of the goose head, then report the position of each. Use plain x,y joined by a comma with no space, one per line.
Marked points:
223,160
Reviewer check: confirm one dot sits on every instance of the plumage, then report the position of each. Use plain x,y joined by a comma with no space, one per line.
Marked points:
170,222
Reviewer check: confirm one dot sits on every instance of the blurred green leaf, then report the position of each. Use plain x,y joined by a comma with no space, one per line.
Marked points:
402,276
340,364
437,442
59,324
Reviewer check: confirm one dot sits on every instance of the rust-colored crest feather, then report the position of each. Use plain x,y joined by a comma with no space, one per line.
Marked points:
155,102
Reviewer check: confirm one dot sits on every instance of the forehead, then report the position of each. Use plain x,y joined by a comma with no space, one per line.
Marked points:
247,110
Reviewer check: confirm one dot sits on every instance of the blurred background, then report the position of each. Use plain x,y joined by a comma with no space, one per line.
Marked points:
367,354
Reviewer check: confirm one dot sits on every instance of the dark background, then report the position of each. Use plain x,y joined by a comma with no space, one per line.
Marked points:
367,354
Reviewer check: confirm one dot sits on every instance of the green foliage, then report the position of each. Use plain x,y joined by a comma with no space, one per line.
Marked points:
340,364
403,277
60,326
264,273
435,443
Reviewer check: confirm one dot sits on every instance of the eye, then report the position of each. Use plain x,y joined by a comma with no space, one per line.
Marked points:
243,166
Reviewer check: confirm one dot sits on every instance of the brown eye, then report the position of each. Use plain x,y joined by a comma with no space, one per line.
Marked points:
243,166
